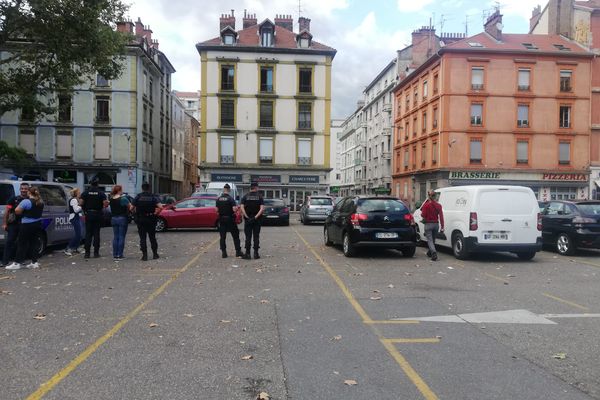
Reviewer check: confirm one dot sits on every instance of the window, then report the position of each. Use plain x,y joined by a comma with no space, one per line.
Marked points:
266,36
64,108
150,120
304,42
227,77
145,83
414,132
476,78
227,113
524,76
425,91
530,46
565,117
406,131
228,39
27,114
424,123
562,193
304,116
475,151
523,116
476,114
266,79
565,80
64,144
416,96
151,88
522,151
227,150
101,81
145,117
266,150
423,155
414,157
435,117
305,80
53,195
102,146
562,47
266,114
407,102
435,83
564,153
434,152
304,152
102,109
27,141
406,158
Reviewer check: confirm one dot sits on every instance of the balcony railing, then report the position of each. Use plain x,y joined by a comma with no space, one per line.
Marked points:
477,86
227,159
386,155
387,130
387,107
304,161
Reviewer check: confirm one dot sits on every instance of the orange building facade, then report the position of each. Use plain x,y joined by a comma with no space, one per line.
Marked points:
495,109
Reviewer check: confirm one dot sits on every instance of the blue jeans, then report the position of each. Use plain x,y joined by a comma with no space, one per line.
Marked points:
76,239
119,225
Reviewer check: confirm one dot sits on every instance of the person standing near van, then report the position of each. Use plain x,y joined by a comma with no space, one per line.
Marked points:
252,209
11,224
147,206
433,221
31,210
119,208
226,206
75,212
94,201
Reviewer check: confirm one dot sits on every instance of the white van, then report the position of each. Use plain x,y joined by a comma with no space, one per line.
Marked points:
217,188
482,218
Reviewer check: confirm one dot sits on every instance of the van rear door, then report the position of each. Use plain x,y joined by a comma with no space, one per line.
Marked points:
507,215
56,214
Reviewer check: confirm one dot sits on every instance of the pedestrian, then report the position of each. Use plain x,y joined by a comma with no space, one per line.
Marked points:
30,209
94,202
227,209
433,221
119,209
75,212
11,224
147,206
252,210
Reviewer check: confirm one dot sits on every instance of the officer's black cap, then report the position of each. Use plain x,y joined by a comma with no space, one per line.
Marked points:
226,186
94,181
254,184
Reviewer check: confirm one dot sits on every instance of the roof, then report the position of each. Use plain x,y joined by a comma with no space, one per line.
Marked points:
380,75
515,43
186,94
589,3
249,39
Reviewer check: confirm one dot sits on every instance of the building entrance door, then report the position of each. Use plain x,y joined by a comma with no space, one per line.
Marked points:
298,198
271,193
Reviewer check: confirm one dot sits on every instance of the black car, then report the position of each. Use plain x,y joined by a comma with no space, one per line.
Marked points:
369,221
568,225
276,212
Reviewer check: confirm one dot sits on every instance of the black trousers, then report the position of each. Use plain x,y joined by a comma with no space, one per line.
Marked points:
93,223
147,227
10,244
227,224
252,229
28,234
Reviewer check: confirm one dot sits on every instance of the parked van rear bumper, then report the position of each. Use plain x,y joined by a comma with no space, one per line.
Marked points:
474,245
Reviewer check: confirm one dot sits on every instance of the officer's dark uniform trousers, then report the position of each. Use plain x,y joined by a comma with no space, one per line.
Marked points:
93,223
147,227
252,229
227,224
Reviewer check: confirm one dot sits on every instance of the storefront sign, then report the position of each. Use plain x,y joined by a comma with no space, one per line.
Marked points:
265,178
475,175
517,176
304,178
334,189
382,190
65,176
226,177
565,177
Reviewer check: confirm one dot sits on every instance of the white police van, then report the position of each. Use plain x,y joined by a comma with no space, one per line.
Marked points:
55,219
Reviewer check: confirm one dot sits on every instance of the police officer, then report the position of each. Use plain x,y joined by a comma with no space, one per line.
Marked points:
94,201
252,210
11,224
226,207
147,206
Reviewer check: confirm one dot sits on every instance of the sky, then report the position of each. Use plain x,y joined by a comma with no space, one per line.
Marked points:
366,34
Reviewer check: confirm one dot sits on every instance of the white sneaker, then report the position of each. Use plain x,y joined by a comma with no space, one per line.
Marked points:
14,266
33,265
68,252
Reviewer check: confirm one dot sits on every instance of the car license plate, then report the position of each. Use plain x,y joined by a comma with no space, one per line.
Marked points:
272,216
495,236
386,235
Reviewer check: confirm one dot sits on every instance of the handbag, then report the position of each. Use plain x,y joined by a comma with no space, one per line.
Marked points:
238,217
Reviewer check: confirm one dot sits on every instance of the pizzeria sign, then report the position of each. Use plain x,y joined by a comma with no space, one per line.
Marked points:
517,176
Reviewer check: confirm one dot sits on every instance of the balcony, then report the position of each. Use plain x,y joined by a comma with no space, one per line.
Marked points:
358,162
387,131
386,155
387,107
363,124
386,179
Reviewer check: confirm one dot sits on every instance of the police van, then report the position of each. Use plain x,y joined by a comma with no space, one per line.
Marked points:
55,219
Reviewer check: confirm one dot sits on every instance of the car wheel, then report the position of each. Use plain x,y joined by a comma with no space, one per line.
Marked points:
526,255
347,246
326,239
459,247
564,245
408,252
161,225
40,244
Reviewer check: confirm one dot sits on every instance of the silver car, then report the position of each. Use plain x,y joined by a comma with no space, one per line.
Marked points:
316,209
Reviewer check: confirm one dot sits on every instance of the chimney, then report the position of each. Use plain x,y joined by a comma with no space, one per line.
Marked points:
125,27
148,33
536,14
285,21
249,20
155,44
560,17
227,20
303,24
139,28
423,44
493,26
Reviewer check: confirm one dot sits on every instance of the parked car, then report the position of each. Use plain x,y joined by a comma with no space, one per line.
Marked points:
368,221
193,212
213,195
488,218
167,198
316,209
276,212
569,225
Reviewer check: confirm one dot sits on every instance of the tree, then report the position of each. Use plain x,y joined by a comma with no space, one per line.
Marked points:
14,157
53,46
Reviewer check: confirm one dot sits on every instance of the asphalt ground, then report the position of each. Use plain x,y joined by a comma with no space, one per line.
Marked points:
303,322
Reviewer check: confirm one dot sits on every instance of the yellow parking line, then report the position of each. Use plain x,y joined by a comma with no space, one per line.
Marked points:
587,263
391,322
498,278
566,302
414,340
63,373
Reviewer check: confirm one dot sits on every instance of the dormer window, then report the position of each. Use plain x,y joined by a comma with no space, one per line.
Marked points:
266,36
304,39
228,36
228,39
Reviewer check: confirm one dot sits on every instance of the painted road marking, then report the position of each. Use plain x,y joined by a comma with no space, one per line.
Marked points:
570,315
391,322
584,308
63,373
502,317
498,278
414,340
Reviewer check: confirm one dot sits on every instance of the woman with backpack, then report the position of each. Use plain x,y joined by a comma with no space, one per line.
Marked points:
75,212
30,210
119,208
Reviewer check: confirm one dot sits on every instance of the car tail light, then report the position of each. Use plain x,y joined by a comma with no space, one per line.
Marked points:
356,218
473,222
409,218
286,210
539,222
583,220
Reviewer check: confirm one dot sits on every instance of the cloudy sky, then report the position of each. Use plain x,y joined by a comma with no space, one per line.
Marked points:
366,34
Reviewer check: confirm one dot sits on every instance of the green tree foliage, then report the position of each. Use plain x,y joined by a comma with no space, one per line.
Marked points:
14,157
55,45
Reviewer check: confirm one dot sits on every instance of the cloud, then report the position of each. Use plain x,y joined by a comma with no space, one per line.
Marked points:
519,8
407,6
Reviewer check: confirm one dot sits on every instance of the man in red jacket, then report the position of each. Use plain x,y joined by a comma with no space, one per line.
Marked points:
433,220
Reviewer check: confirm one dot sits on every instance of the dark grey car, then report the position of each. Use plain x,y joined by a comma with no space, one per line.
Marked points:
316,209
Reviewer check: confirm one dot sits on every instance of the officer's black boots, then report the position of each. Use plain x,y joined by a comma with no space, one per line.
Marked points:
223,254
87,255
96,255
247,256
144,256
238,253
155,255
256,256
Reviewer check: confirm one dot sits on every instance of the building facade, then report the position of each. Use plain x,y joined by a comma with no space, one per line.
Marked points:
353,144
115,130
335,176
191,102
266,108
192,135
495,108
178,125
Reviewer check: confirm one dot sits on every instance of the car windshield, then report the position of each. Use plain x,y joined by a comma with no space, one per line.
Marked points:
6,192
589,209
320,201
273,203
380,205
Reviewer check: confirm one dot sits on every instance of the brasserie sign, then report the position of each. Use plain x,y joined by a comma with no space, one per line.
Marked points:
517,176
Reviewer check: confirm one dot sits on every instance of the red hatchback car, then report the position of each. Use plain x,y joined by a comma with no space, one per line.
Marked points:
193,212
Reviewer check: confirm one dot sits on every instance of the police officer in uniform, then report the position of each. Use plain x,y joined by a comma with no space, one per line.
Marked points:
226,207
94,201
252,209
147,206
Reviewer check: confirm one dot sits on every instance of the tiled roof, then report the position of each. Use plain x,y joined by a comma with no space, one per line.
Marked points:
284,39
516,42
